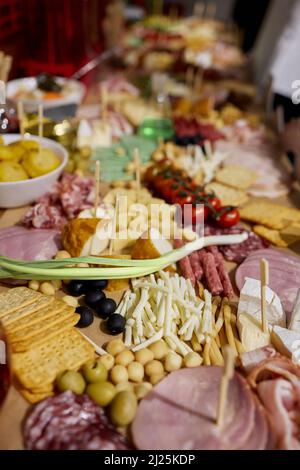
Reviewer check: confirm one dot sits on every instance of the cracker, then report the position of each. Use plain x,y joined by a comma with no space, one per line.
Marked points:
27,310
44,336
229,196
17,298
33,397
271,215
272,235
41,365
42,320
236,176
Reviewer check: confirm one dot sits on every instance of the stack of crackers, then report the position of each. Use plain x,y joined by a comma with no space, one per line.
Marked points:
278,224
231,183
42,339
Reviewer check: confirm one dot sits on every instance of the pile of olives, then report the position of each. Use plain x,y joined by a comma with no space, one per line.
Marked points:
96,301
93,380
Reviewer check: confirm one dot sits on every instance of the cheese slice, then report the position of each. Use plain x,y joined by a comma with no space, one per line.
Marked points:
286,342
251,333
249,303
295,317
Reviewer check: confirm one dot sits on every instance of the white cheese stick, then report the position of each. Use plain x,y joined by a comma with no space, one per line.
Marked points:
128,335
149,341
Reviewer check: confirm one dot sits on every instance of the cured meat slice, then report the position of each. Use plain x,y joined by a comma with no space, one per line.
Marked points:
185,264
224,276
70,422
180,413
249,360
196,266
282,402
210,272
259,439
274,367
284,274
29,244
237,253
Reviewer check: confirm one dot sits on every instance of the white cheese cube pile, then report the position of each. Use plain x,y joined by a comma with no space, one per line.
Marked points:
165,307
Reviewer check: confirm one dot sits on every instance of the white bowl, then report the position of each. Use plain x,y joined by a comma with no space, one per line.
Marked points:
73,94
21,193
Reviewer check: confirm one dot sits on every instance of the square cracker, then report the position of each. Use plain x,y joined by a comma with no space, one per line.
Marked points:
35,367
13,319
44,336
17,298
40,321
33,397
229,196
271,215
236,176
272,235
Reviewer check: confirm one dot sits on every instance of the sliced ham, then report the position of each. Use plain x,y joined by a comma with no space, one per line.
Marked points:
259,438
272,368
28,244
284,274
282,402
180,413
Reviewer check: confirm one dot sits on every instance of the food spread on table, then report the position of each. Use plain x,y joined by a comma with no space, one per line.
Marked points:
156,269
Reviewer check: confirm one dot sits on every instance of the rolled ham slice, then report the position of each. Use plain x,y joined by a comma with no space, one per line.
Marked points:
272,368
29,244
284,274
259,439
180,413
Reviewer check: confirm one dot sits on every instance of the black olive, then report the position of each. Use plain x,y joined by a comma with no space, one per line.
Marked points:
92,297
105,307
76,288
86,316
97,284
116,324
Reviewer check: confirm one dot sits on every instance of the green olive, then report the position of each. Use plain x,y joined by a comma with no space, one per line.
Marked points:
71,380
101,393
94,372
123,408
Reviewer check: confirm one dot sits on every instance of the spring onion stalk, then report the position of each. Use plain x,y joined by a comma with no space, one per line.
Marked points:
123,268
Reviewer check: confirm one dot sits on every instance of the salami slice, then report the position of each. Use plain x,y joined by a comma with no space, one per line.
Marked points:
70,422
222,271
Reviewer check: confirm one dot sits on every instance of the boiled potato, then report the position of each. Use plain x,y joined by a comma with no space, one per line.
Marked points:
12,171
38,163
6,153
18,150
30,144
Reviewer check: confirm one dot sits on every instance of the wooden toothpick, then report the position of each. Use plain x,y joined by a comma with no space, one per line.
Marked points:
264,280
114,227
228,371
97,187
137,164
21,118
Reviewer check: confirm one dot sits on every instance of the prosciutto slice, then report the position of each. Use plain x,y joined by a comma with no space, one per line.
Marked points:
180,413
28,244
284,274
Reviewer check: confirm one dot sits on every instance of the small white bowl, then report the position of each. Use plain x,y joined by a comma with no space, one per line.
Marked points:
21,193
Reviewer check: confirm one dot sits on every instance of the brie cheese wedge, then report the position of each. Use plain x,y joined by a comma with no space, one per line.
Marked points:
250,303
295,317
286,342
251,333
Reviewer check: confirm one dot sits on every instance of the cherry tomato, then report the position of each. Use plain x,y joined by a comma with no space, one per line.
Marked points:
199,212
182,198
215,202
228,217
165,189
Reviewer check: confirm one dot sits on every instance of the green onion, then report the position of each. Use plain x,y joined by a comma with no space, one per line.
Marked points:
114,268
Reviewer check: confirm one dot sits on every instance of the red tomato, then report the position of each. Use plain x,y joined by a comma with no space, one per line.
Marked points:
199,211
228,217
182,198
215,202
